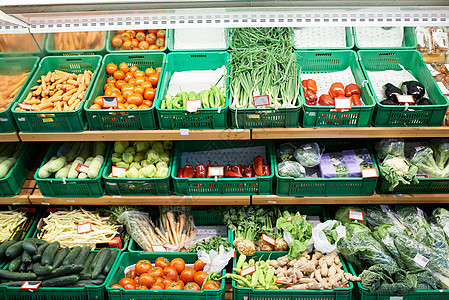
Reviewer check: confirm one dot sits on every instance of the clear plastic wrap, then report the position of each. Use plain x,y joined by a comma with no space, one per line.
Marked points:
176,224
308,155
138,225
333,165
394,147
356,160
291,169
285,152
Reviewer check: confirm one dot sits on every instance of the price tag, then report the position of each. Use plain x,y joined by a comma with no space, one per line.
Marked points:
343,103
420,212
307,147
233,253
262,100
289,219
421,260
170,246
25,106
355,215
215,171
193,105
158,248
82,168
283,282
385,208
369,173
109,101
183,131
248,270
83,228
405,99
31,285
422,176
268,239
4,120
419,148
117,171
272,202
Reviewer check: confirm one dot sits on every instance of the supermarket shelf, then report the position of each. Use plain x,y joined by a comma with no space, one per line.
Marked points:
9,137
23,197
37,199
349,132
375,199
138,135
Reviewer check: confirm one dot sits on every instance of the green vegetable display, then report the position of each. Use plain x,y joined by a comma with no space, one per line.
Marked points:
299,229
377,215
308,155
213,243
393,147
426,164
213,98
441,152
342,214
291,169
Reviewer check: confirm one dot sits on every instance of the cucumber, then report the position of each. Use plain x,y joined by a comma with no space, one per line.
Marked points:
8,275
23,267
60,281
110,262
5,246
42,270
70,258
14,265
40,249
14,283
62,271
86,276
37,241
49,254
30,268
14,250
30,247
100,261
83,283
59,258
88,263
26,258
81,259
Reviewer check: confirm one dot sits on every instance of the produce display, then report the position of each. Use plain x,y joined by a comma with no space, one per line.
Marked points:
57,91
131,87
151,39
9,222
78,40
9,152
212,98
213,243
80,160
141,159
163,274
10,86
56,266
336,90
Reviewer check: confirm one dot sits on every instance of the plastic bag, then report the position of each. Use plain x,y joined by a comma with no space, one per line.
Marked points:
308,155
423,159
139,227
216,262
291,169
319,239
356,160
394,147
285,152
333,165
176,224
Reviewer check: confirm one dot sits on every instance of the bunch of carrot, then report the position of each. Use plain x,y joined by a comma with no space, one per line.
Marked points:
9,87
78,40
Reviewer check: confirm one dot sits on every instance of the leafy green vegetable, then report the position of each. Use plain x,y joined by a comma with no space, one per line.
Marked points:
211,244
393,147
377,215
342,214
426,164
386,279
285,152
299,229
440,149
440,217
308,155
396,169
291,169
422,280
381,233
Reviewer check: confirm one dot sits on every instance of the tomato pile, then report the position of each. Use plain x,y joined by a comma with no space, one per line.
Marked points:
151,39
133,88
167,275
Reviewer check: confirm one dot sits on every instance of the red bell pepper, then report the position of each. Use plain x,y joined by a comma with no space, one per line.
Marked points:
188,171
355,100
228,167
236,169
352,89
180,172
248,172
258,165
232,174
326,100
336,90
266,170
200,171
309,84
310,97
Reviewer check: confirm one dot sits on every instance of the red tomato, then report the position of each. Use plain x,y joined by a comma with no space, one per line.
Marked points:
108,85
127,44
138,89
110,80
136,281
153,79
126,36
158,286
153,31
95,106
158,279
143,266
179,264
118,75
140,36
187,275
149,94
124,281
142,287
166,281
150,71
156,271
211,285
135,43
131,274
162,262
199,277
123,67
129,286
158,70
192,286
111,68
160,33
133,69
137,100
147,103
160,42
146,280
199,265
151,38
170,272
144,45
132,106
174,286
180,282
120,83
140,80
116,286
117,41
139,73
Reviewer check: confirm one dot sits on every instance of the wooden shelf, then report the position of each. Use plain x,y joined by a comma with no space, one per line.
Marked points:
349,132
138,135
37,199
9,137
374,199
23,197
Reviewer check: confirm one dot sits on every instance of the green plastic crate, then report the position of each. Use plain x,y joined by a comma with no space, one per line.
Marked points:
245,293
12,183
409,41
57,121
112,49
205,118
50,47
349,43
138,186
326,116
395,115
128,259
59,187
89,292
14,65
222,186
171,43
123,119
350,186
201,217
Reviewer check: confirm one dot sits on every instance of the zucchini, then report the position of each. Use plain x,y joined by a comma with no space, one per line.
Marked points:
5,246
95,167
110,262
42,270
82,256
43,171
62,271
40,249
70,258
72,172
8,275
14,250
88,263
49,254
100,261
60,281
14,265
59,258
26,258
30,247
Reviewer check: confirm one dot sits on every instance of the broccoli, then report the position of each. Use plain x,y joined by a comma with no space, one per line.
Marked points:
426,164
308,155
285,152
291,169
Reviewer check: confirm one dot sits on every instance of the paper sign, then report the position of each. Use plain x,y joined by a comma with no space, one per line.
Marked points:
215,171
233,253
170,246
193,105
83,228
31,285
158,248
253,116
248,270
109,101
283,282
117,171
420,212
82,168
369,173
405,99
343,103
289,219
25,107
385,208
268,239
421,260
355,215
262,100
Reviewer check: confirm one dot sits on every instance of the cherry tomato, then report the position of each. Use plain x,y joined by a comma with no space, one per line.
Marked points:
174,287
127,44
153,79
137,100
111,79
153,47
123,67
128,76
124,281
146,280
108,85
133,69
187,275
199,265
139,73
158,286
140,36
132,106
131,274
143,266
192,286
151,38
139,79
199,277
160,33
150,71
126,36
95,106
149,94
120,83
138,89
116,286
160,42
211,285
170,272
118,75
166,281
156,272
144,45
111,68
117,41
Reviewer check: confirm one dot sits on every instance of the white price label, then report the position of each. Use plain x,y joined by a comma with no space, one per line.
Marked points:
369,173
432,70
268,239
109,101
405,99
116,196
25,106
170,246
396,298
31,285
248,270
343,103
158,248
355,215
83,228
307,147
272,202
117,171
233,253
183,131
262,100
82,168
420,212
421,260
289,219
215,171
70,201
385,208
193,105
419,148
